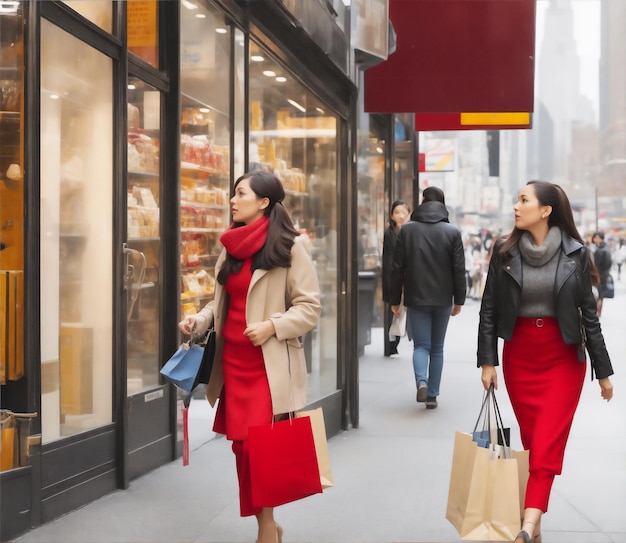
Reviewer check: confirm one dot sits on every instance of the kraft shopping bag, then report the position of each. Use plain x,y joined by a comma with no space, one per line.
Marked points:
283,462
484,493
321,444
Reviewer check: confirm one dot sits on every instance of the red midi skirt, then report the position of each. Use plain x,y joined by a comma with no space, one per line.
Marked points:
544,379
245,399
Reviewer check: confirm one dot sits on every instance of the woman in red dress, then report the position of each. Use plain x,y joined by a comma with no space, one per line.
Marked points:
266,298
538,298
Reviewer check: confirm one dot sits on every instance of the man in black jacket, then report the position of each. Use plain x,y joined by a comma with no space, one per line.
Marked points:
429,266
603,261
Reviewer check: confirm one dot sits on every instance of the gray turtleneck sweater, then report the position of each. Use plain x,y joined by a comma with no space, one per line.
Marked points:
539,265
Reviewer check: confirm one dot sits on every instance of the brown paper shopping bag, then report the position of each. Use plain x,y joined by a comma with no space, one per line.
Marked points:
321,444
484,493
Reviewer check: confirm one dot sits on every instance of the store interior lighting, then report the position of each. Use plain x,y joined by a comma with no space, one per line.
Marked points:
296,105
281,79
269,73
189,5
257,58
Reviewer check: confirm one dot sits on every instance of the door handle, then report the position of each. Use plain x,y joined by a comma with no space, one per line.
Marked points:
132,283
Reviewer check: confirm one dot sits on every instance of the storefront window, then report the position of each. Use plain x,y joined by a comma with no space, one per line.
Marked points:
294,134
372,207
76,235
144,242
11,195
11,232
143,33
205,149
99,12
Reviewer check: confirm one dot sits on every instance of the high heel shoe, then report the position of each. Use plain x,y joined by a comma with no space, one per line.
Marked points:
523,535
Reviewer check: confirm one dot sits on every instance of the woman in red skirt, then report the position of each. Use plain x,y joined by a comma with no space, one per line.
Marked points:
266,297
538,298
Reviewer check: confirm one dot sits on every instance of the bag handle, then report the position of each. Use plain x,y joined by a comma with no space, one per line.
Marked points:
492,419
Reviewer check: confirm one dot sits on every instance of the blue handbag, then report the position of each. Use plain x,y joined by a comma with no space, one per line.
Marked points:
191,363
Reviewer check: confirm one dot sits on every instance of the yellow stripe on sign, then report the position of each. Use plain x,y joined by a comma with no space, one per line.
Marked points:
509,118
442,163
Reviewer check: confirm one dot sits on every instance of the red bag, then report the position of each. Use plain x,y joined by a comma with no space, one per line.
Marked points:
283,462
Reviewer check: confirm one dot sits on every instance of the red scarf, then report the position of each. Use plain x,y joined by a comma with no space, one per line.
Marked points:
244,241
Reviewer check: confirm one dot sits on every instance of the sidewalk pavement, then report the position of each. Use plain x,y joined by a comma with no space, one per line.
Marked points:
391,474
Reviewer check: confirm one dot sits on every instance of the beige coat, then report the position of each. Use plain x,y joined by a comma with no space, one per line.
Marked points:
290,298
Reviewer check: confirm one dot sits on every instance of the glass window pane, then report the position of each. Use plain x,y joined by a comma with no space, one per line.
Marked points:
11,196
143,33
99,12
144,132
76,234
294,134
205,149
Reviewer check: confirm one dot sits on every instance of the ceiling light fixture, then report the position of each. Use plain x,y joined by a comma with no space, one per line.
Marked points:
320,110
281,79
200,16
257,58
221,30
189,5
296,105
269,73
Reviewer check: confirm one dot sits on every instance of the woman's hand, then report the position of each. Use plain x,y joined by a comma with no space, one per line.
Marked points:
606,388
187,325
259,332
456,309
489,376
395,309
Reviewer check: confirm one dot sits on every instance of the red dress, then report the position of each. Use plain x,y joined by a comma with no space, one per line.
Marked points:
245,400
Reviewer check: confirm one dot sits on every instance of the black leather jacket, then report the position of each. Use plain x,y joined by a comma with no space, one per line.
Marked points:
501,302
429,260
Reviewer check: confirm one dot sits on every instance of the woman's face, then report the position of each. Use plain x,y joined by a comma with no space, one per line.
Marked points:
400,215
245,205
529,213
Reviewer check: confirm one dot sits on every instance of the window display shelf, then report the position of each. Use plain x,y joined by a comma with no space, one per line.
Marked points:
150,175
145,239
202,230
202,205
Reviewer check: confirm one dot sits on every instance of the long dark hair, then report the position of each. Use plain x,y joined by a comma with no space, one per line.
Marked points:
281,233
548,194
392,223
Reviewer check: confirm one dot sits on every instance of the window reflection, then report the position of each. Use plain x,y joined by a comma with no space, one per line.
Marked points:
99,12
76,235
294,134
144,242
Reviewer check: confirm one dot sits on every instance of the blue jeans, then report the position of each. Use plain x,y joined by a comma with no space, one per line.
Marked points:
428,325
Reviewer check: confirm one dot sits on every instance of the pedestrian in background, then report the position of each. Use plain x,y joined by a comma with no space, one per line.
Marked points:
429,268
538,299
398,215
266,297
603,261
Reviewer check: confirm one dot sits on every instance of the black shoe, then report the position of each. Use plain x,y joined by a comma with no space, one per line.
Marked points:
422,393
431,402
523,535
